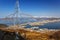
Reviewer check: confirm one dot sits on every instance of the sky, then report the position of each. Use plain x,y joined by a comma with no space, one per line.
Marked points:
32,7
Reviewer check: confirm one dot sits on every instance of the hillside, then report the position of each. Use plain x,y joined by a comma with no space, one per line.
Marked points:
33,35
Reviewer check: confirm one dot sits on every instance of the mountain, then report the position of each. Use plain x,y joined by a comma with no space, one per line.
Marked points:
22,20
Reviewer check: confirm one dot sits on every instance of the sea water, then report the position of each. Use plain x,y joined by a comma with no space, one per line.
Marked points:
54,25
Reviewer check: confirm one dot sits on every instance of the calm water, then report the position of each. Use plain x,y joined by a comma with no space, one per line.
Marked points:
55,25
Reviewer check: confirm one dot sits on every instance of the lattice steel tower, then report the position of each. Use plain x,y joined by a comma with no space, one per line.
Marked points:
17,11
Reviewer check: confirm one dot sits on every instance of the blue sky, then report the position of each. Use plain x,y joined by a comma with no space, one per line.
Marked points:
33,7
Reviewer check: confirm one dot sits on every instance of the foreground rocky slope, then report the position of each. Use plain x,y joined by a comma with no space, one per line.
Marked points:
21,34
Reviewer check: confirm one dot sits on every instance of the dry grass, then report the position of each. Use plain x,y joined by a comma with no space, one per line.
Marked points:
28,35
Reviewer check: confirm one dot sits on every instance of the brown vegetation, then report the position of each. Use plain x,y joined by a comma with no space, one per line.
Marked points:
55,36
32,35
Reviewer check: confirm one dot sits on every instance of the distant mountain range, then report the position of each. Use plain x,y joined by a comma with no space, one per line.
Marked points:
23,20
